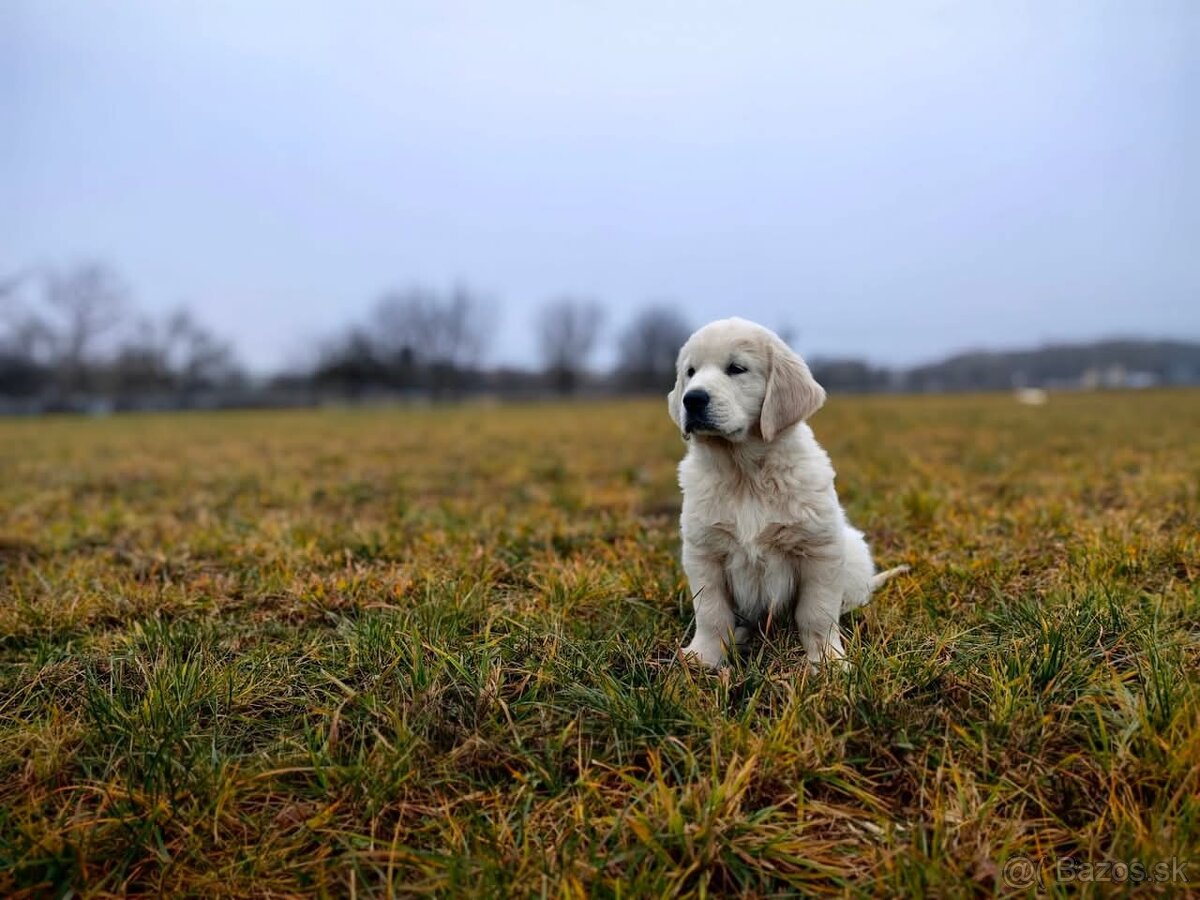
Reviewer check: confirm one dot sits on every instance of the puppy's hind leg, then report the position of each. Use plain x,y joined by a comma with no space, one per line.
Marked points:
857,569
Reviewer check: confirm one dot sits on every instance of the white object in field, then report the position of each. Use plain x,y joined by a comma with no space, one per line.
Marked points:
1032,396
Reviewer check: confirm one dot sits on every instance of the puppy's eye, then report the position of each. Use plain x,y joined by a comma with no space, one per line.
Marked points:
691,372
734,369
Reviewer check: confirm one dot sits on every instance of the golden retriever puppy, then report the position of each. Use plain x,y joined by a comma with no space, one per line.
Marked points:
763,533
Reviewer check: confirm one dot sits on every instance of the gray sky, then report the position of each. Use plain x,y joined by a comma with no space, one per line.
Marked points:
890,179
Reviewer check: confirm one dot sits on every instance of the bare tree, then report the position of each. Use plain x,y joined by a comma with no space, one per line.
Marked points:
445,335
26,334
195,355
352,364
86,303
23,343
405,321
568,328
648,347
139,365
467,322
177,354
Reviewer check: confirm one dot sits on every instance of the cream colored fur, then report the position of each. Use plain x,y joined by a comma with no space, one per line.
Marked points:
763,533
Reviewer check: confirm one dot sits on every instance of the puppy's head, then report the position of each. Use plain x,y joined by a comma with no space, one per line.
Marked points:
737,381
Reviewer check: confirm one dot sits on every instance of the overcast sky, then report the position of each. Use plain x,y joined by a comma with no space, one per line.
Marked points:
895,180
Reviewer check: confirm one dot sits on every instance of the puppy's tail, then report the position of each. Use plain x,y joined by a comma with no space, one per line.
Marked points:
882,578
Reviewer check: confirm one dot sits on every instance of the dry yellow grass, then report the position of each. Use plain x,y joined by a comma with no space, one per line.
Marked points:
431,650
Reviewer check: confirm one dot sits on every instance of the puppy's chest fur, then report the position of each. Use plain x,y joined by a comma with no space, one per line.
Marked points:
759,533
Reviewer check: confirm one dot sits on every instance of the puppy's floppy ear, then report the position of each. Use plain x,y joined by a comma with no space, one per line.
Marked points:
792,393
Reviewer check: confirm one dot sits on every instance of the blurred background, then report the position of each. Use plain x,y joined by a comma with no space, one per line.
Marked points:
288,203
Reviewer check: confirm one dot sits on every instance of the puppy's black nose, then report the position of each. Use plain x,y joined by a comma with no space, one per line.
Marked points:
695,402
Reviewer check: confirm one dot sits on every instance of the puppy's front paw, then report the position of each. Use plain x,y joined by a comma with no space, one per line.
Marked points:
709,654
829,657
823,647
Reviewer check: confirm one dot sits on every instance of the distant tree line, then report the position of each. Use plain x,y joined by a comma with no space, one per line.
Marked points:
415,340
73,340
432,343
1107,363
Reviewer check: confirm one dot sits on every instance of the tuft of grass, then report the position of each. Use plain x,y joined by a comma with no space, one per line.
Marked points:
432,651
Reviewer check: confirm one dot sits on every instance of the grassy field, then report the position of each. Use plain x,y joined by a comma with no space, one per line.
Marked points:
350,652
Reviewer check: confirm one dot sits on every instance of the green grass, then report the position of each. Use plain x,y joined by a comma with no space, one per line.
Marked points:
433,651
